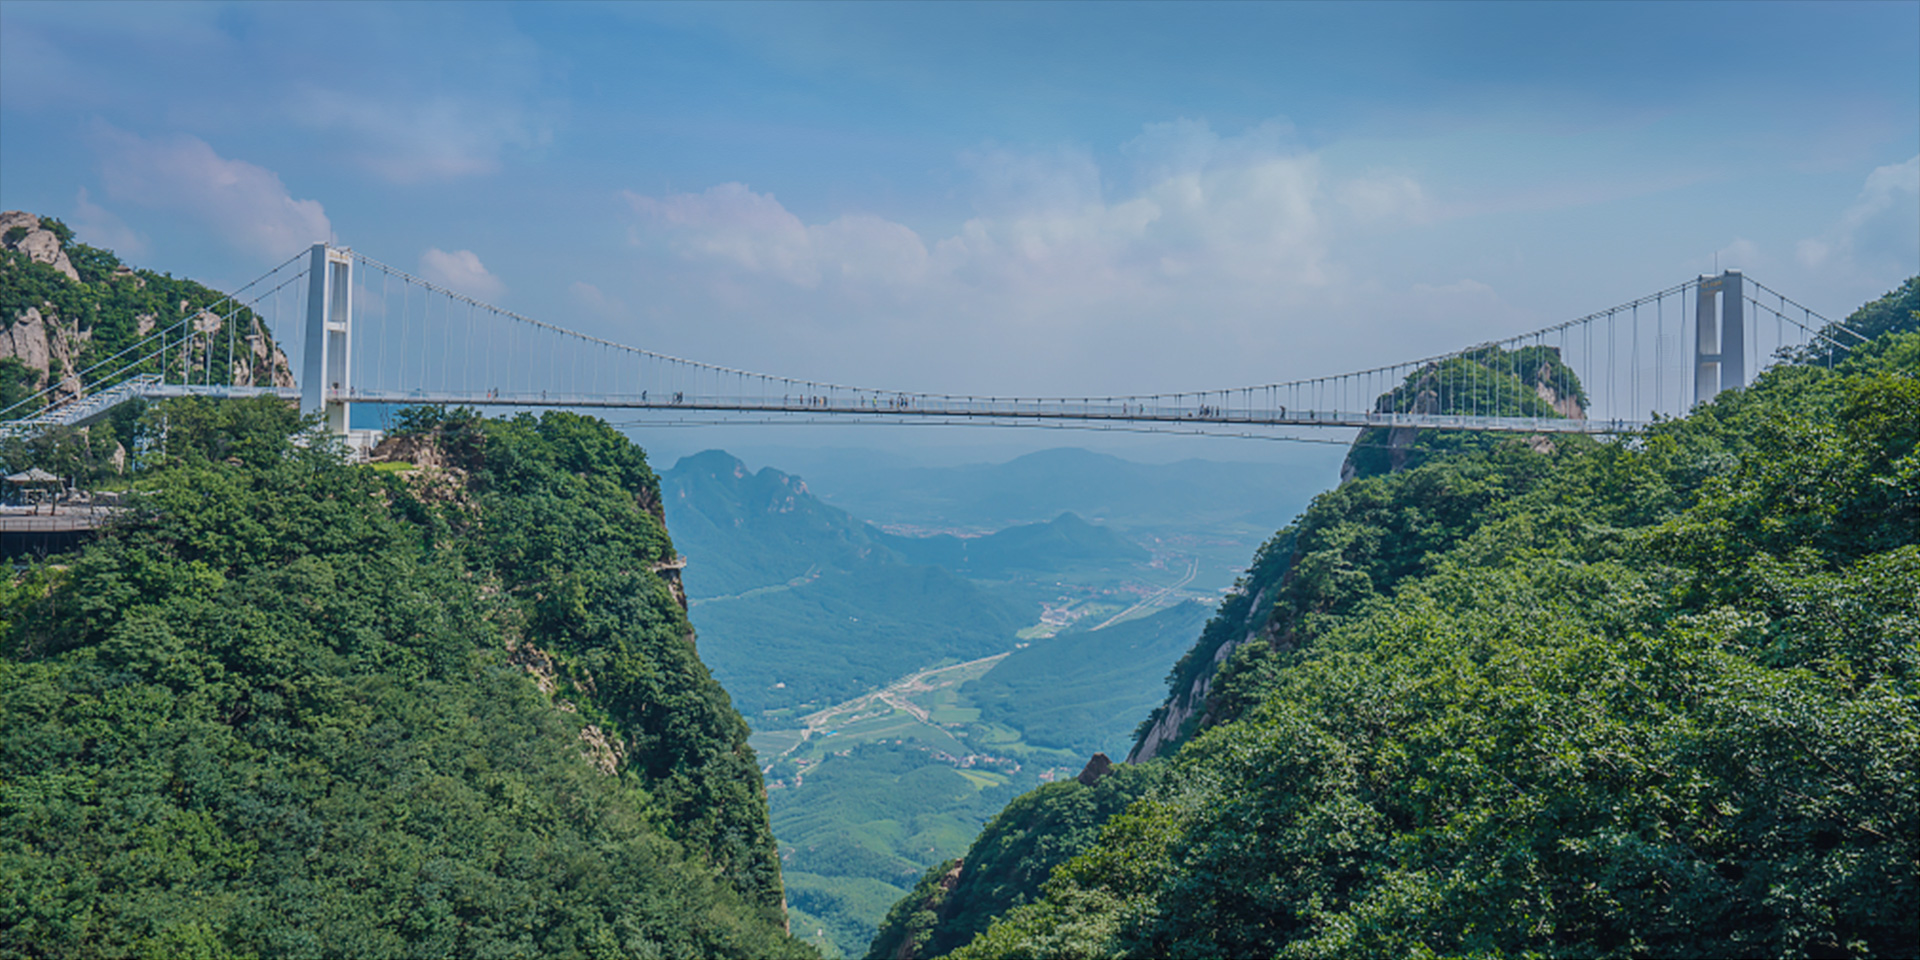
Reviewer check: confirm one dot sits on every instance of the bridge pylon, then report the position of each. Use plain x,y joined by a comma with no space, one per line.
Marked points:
1720,344
327,371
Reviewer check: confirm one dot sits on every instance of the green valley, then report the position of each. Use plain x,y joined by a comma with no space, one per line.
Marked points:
903,688
868,793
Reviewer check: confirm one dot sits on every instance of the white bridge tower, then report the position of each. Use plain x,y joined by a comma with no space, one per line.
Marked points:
1720,348
326,378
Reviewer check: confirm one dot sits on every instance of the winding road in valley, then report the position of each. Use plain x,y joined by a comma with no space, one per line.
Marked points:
1193,570
896,694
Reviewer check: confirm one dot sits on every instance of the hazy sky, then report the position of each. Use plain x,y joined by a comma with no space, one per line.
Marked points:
1033,198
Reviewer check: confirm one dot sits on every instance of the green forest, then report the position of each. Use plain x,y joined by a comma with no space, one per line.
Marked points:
446,705
1651,697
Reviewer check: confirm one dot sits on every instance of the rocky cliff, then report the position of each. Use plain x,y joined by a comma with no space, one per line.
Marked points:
1185,708
66,306
23,232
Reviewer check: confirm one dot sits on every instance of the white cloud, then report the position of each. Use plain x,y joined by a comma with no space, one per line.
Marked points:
462,272
733,225
1741,254
1044,226
1383,198
1814,253
1879,231
1181,147
1209,238
1009,182
595,300
419,139
99,227
244,204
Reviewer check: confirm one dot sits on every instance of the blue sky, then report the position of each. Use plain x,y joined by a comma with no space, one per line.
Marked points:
1035,198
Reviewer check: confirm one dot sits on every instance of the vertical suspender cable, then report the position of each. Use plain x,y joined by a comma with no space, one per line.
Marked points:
1636,360
466,373
446,320
1613,384
380,364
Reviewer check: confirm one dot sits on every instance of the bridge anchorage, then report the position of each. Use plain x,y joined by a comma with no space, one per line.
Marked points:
375,334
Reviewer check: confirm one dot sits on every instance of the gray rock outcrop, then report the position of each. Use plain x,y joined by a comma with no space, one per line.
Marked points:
21,231
43,346
52,345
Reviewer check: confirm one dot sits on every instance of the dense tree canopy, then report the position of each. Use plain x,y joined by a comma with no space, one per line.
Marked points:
1654,697
295,707
1006,866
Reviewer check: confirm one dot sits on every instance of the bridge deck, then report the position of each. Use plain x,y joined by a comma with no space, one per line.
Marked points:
904,407
920,406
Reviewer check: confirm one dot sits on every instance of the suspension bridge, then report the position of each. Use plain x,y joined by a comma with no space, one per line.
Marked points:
374,334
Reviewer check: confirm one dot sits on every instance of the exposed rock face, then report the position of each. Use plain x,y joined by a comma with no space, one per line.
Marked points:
1568,406
1192,702
934,903
53,344
1097,766
20,230
1427,401
41,345
421,450
264,355
604,752
669,571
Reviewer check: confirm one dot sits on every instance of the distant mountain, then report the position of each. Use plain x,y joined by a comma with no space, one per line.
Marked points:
1188,494
1065,541
798,604
749,530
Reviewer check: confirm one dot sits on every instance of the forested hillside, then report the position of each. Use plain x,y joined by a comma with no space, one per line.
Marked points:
447,705
1572,697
